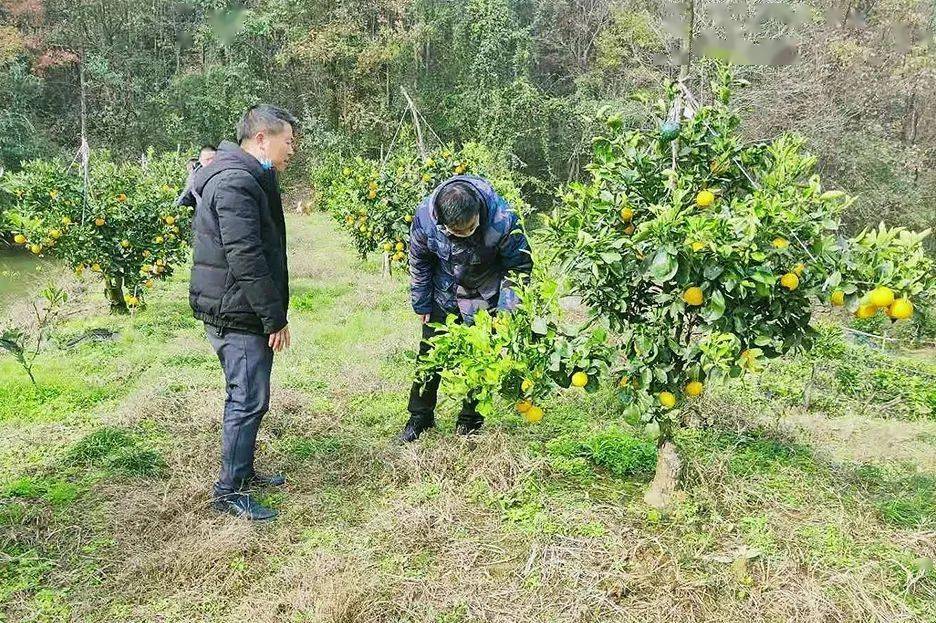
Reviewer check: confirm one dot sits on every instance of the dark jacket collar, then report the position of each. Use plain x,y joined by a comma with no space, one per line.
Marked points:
231,156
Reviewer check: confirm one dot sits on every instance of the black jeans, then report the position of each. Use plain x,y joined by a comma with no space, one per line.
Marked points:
247,360
423,398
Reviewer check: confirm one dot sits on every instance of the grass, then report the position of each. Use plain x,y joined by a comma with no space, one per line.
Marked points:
105,476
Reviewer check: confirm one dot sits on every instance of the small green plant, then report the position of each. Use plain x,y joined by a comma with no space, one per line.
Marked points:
616,450
24,345
621,453
524,355
136,461
99,444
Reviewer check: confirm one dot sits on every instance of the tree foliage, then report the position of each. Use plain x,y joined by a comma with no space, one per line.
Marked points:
702,254
130,232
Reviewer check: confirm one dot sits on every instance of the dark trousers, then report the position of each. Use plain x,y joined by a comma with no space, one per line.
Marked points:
247,360
423,398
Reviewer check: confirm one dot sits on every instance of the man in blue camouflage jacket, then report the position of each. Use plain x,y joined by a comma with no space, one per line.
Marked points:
465,245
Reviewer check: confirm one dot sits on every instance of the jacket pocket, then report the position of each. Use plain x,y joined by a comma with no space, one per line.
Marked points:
233,299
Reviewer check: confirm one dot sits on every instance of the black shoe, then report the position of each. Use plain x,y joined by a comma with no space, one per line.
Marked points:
267,480
242,505
414,428
468,425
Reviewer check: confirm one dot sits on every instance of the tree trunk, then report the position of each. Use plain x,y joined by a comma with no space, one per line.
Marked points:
666,480
113,290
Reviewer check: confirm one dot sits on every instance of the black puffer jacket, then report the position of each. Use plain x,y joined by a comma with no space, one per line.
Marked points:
239,278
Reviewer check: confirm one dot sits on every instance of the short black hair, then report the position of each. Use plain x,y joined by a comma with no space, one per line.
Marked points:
457,204
264,118
207,147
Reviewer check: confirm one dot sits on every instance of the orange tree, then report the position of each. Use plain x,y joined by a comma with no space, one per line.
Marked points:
705,254
523,356
130,233
702,255
375,203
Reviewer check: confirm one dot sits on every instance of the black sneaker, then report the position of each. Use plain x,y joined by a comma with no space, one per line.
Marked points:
242,505
414,428
468,425
267,480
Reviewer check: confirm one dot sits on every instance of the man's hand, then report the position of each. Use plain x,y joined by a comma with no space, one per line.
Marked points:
424,318
280,339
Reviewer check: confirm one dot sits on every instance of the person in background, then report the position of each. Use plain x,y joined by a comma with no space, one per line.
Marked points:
465,241
240,288
205,157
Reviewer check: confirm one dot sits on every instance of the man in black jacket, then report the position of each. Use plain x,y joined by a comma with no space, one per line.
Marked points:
240,288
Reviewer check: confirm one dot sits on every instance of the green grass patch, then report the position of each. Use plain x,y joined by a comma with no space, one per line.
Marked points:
203,361
755,452
23,570
316,298
118,451
56,397
165,319
55,492
614,449
306,448
137,462
100,444
903,498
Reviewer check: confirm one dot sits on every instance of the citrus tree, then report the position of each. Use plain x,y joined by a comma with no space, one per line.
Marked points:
375,202
702,255
130,234
524,356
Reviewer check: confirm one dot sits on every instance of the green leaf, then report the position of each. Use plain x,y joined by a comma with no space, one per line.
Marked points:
663,266
712,271
714,307
539,326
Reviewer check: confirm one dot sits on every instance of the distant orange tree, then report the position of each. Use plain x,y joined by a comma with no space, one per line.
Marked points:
130,232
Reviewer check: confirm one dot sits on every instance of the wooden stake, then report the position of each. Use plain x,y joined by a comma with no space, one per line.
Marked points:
85,149
420,143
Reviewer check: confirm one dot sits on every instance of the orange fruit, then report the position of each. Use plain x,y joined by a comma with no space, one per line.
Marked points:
881,296
900,309
533,415
789,281
865,311
694,388
705,198
693,296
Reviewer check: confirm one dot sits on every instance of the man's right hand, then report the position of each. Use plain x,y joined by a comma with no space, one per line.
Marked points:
280,339
424,318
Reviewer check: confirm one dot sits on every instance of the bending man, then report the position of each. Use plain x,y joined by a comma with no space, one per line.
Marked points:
464,242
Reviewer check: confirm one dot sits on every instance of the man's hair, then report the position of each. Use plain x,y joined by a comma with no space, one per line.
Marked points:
264,118
457,204
207,147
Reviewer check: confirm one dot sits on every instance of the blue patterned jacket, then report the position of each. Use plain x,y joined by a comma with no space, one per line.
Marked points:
464,275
